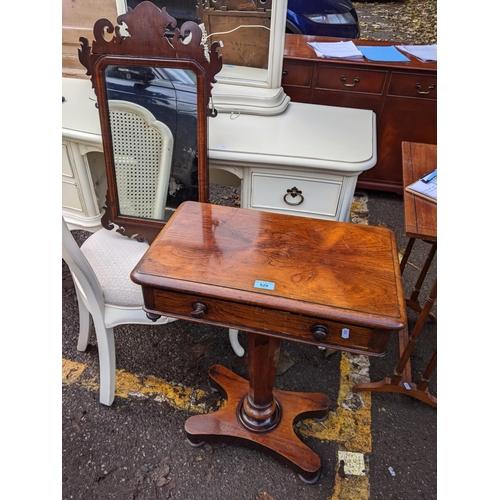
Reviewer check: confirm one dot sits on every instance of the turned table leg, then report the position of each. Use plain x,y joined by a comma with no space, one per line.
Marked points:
401,380
406,255
426,376
255,415
259,410
412,300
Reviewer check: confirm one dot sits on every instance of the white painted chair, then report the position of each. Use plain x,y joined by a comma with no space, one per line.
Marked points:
101,274
142,150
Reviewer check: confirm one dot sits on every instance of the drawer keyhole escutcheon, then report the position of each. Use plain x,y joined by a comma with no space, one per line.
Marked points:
294,192
319,333
343,80
199,310
423,92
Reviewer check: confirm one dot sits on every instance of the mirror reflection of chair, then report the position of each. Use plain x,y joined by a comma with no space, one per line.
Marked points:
142,150
101,273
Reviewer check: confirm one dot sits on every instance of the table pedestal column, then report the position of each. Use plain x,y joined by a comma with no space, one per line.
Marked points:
258,416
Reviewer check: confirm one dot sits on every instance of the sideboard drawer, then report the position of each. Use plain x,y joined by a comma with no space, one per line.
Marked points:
297,73
67,169
356,80
270,321
295,194
413,85
71,197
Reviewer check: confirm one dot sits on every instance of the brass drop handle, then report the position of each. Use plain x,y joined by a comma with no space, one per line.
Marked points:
294,192
319,332
199,310
423,92
343,80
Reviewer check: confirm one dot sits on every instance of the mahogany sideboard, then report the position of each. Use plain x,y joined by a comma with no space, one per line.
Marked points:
403,95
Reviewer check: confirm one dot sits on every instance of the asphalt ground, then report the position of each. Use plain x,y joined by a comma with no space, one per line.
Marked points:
136,449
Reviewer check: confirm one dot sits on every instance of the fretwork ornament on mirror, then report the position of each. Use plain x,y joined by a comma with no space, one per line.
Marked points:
141,44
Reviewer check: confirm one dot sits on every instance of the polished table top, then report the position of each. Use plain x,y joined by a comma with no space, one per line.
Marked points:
420,214
332,270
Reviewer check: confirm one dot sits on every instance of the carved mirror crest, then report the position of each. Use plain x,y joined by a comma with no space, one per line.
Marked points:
153,90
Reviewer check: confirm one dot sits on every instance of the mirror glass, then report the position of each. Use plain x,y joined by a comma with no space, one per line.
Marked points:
246,29
153,91
153,118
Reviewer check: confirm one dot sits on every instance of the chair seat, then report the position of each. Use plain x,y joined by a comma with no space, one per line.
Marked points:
112,257
106,295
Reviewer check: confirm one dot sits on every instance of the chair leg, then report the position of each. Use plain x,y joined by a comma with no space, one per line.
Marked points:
235,344
84,317
107,363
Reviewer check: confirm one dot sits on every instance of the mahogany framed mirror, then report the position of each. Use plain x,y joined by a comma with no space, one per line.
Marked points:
153,83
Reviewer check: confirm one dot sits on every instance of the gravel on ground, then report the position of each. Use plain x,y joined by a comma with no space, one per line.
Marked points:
408,22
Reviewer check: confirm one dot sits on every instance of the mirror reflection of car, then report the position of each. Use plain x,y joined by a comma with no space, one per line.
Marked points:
170,95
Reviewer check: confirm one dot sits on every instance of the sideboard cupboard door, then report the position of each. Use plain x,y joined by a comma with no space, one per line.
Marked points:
402,118
410,110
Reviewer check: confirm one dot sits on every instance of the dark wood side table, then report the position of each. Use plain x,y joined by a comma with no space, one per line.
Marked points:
276,277
420,223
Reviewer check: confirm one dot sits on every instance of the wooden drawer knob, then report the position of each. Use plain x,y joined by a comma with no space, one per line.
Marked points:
199,310
319,333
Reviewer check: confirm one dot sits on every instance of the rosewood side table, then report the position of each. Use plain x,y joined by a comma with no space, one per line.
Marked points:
420,223
275,276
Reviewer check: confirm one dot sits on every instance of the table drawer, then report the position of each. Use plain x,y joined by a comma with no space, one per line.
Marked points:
269,321
296,73
413,85
348,79
295,194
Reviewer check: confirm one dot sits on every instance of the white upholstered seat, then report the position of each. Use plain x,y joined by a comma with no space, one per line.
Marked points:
101,274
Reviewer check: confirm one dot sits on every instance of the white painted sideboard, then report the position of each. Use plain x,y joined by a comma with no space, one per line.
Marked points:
83,171
317,150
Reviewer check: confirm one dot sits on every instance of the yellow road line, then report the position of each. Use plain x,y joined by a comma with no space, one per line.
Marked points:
128,384
349,425
71,371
